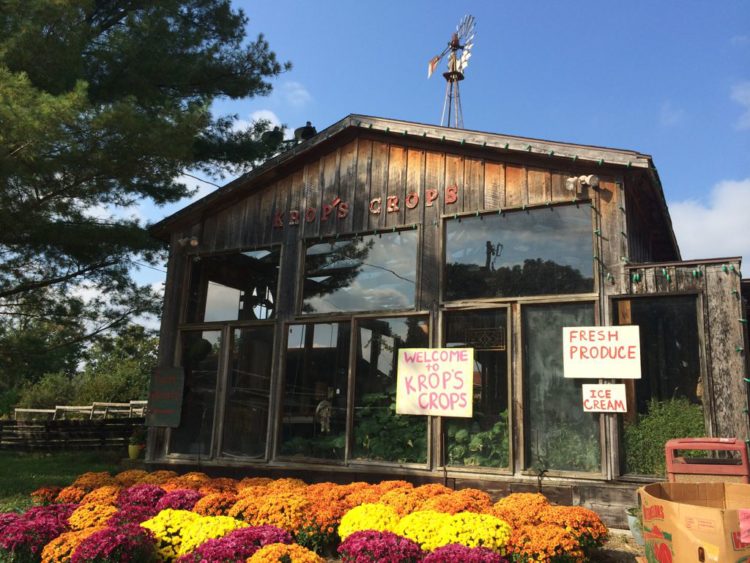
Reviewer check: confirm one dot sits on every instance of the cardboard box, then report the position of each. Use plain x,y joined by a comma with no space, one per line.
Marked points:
685,522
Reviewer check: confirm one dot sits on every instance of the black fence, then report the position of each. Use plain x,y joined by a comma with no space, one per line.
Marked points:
67,434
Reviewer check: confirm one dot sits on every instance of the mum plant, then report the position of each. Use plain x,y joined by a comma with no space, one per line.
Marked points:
455,552
369,546
276,552
378,517
237,546
128,544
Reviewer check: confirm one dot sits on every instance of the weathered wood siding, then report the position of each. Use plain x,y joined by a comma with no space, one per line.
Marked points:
396,176
722,331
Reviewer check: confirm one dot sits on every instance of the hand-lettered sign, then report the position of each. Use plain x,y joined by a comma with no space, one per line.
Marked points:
435,381
165,397
608,397
602,352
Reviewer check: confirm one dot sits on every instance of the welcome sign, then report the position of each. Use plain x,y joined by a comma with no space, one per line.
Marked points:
435,381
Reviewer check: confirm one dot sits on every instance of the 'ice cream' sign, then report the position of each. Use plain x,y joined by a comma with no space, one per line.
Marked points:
435,381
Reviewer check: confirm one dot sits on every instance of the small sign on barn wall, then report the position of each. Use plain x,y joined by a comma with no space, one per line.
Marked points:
165,397
602,352
606,397
435,381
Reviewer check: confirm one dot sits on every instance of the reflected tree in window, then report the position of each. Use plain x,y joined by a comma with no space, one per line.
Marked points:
369,273
536,252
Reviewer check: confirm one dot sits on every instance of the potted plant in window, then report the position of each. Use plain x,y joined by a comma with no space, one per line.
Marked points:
137,442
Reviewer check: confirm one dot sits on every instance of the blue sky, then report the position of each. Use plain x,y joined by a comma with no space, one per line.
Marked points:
669,78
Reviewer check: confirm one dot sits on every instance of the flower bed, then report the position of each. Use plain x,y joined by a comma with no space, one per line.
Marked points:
160,516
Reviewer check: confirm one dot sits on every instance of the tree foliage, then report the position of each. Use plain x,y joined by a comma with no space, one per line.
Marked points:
104,103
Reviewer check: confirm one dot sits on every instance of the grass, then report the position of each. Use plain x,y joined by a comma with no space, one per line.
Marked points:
24,472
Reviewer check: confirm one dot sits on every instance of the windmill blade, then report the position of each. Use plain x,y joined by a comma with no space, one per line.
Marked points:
465,27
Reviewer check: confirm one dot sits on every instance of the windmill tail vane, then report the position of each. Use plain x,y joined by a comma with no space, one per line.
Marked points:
461,40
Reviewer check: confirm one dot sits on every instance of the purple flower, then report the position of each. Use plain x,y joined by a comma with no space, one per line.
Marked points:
237,546
180,499
127,544
371,546
457,552
132,514
6,519
141,495
26,535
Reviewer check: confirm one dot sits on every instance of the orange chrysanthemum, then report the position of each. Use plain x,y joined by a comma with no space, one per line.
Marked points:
519,509
91,480
219,485
545,543
102,495
130,477
215,504
583,523
45,495
71,494
62,547
158,477
91,516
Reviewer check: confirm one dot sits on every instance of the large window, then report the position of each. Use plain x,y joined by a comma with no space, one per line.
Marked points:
379,433
231,287
247,394
313,414
200,360
536,252
558,434
369,273
484,439
667,402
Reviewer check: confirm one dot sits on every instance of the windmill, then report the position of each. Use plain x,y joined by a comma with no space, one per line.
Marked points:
461,40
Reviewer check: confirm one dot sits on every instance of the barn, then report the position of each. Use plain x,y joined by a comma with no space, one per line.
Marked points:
291,289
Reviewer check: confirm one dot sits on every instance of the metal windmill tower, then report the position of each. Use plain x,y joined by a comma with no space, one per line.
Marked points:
461,40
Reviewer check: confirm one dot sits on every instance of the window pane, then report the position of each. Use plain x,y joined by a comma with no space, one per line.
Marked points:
482,440
232,287
248,388
536,252
559,435
313,422
380,433
667,402
200,359
368,273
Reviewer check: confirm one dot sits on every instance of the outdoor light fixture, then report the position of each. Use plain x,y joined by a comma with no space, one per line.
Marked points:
185,241
574,183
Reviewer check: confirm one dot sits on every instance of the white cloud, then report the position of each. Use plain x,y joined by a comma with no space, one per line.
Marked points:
670,115
295,94
741,95
718,228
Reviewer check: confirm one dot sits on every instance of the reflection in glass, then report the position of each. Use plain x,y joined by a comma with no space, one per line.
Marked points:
313,418
667,402
248,388
369,273
536,252
482,440
379,433
200,360
559,435
231,287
